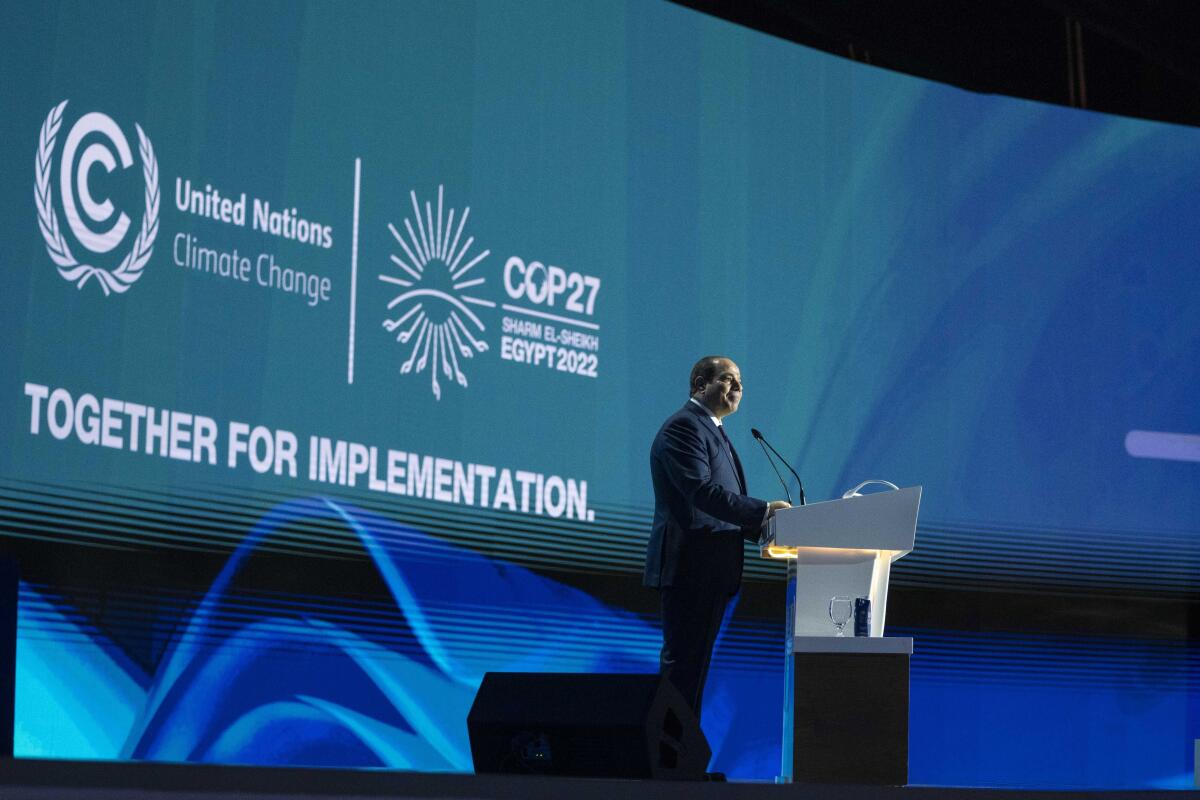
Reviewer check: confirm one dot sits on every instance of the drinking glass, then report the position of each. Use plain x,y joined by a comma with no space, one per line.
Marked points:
840,611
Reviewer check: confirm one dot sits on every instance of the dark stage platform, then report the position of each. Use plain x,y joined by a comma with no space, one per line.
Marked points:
36,779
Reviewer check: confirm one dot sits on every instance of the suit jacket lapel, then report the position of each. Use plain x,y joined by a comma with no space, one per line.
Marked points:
730,454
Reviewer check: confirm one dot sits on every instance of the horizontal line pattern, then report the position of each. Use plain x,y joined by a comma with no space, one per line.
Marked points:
470,632
1020,659
1032,659
464,629
947,555
217,521
984,556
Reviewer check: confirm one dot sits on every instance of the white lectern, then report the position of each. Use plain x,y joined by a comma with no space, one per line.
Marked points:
852,723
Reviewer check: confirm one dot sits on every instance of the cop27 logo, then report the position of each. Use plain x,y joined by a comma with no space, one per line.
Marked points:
91,222
432,312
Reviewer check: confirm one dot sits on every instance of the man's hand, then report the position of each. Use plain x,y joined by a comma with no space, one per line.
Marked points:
775,505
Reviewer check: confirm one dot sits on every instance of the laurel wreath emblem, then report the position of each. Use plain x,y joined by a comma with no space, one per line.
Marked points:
130,269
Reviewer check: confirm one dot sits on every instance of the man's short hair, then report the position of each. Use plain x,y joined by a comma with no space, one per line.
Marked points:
706,369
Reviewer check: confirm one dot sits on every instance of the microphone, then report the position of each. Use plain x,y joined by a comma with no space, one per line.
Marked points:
765,444
761,441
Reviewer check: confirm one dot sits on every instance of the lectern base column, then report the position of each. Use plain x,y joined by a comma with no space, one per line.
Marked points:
850,717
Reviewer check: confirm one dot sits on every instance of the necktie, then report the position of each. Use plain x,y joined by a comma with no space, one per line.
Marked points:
733,459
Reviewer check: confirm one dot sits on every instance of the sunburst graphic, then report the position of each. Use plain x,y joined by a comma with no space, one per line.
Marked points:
435,317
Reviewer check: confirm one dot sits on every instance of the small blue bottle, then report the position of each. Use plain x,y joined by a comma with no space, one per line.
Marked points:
862,616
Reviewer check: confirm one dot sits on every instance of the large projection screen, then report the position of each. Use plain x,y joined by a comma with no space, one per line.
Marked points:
335,336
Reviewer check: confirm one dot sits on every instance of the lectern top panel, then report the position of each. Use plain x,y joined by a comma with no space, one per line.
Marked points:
879,521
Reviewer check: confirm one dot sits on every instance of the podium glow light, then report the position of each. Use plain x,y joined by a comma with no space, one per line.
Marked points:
774,551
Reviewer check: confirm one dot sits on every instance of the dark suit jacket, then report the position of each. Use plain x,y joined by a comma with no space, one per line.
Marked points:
701,511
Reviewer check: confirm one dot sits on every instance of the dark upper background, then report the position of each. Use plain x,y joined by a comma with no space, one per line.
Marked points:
1138,58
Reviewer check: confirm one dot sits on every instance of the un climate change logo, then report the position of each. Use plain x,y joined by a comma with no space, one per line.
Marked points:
434,316
74,185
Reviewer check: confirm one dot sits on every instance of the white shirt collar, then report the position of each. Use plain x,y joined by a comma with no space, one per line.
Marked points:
716,420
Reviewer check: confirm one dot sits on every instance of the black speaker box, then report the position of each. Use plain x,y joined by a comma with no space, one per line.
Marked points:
605,726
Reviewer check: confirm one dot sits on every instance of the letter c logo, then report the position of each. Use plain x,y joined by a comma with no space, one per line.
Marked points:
96,153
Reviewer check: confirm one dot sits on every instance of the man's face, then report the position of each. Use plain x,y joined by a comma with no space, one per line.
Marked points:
722,394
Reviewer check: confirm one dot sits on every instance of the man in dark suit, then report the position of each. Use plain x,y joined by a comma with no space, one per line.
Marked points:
701,516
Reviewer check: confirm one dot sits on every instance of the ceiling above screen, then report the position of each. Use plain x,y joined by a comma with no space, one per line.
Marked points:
1135,58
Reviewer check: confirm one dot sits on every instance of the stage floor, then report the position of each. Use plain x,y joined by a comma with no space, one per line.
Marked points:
38,779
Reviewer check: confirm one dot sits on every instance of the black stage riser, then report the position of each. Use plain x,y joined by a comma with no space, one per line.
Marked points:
31,779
